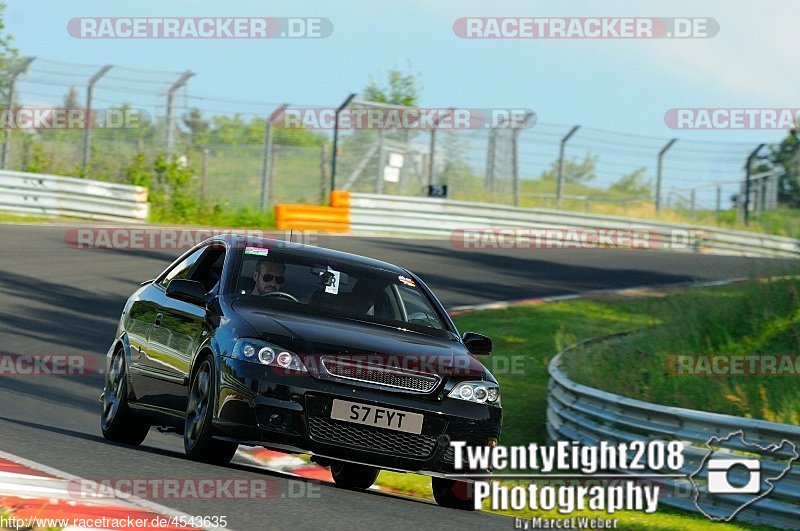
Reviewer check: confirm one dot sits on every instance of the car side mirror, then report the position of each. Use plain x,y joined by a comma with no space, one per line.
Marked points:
477,344
189,291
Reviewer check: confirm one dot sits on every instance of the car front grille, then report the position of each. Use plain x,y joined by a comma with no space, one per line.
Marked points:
381,375
371,439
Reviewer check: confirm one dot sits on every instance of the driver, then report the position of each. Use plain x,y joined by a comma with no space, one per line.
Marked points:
269,277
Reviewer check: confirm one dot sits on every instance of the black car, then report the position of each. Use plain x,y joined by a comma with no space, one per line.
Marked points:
300,349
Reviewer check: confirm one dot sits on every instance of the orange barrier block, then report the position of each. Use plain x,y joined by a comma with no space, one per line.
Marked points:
340,198
312,217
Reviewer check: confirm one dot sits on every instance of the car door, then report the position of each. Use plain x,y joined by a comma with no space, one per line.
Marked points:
154,377
179,330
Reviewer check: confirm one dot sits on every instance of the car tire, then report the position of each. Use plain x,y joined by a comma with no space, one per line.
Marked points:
352,476
117,423
197,437
453,494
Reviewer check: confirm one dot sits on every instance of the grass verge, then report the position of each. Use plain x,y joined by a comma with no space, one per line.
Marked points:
747,317
753,319
8,217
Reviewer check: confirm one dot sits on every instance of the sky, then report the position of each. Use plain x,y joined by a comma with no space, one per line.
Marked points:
618,85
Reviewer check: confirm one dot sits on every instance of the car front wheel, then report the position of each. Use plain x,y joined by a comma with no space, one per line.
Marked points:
197,438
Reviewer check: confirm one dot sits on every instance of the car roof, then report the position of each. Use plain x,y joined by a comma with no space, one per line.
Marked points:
322,253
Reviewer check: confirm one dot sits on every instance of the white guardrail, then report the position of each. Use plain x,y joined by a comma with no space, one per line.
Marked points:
52,195
580,413
384,214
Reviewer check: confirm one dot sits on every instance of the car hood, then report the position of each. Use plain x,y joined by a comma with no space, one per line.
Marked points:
314,336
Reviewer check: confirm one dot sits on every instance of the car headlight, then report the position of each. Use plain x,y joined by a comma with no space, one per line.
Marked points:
480,392
267,354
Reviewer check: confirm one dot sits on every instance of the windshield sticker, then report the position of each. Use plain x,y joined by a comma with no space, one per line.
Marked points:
258,251
407,281
331,279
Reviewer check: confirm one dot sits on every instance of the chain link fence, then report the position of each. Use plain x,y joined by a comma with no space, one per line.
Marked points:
243,154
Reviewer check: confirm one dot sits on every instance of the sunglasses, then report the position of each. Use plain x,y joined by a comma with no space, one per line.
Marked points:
268,277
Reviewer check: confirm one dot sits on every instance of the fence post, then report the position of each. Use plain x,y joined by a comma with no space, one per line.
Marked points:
516,128
171,107
748,170
560,183
266,172
719,201
693,196
432,147
87,126
204,174
323,172
491,146
272,164
381,163
344,104
14,74
659,172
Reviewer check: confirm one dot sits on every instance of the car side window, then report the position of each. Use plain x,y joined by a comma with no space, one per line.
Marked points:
183,269
209,269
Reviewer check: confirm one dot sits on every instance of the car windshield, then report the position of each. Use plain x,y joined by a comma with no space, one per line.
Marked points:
281,279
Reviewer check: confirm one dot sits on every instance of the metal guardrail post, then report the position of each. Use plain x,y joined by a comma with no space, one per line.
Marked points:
659,172
87,127
562,146
14,74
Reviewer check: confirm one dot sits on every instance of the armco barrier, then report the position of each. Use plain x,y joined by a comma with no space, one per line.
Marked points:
52,195
580,413
373,213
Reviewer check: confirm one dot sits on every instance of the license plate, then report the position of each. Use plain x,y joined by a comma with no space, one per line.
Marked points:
379,417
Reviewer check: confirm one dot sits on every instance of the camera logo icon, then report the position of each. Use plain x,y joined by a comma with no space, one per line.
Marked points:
720,472
736,473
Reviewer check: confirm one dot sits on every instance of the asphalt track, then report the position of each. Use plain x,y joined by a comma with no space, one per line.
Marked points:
55,299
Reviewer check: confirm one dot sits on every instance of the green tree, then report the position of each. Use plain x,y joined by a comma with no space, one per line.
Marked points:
8,57
785,159
401,88
575,170
71,99
634,184
196,124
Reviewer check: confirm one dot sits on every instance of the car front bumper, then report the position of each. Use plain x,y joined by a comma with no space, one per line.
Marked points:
256,406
